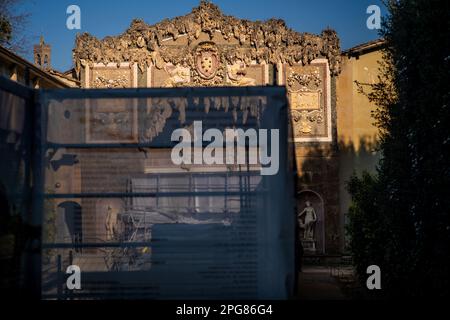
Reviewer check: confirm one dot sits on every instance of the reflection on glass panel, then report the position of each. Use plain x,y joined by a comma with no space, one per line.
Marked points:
140,226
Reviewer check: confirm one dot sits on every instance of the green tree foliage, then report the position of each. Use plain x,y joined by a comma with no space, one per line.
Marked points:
400,218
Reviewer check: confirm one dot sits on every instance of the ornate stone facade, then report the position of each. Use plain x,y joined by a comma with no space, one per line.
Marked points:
244,41
207,48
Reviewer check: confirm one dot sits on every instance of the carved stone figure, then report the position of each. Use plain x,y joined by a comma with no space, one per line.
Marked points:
111,125
305,94
310,221
178,76
102,82
237,75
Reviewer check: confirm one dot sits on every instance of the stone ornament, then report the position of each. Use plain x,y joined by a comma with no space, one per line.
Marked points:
270,42
207,60
310,220
305,95
207,48
178,76
237,75
102,82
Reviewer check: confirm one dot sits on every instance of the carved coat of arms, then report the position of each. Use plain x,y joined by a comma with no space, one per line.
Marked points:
207,60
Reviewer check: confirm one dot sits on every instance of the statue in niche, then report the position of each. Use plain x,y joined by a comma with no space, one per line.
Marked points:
310,221
237,75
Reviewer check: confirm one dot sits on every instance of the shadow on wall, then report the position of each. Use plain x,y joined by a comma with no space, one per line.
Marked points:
323,173
354,158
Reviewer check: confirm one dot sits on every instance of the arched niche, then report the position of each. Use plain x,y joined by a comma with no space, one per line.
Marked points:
316,202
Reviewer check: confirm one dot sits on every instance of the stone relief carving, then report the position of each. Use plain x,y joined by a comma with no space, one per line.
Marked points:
110,126
178,76
209,64
208,67
303,81
111,120
305,95
237,75
111,77
102,82
305,119
207,60
270,42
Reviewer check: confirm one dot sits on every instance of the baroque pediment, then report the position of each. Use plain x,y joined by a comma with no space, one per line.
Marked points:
269,42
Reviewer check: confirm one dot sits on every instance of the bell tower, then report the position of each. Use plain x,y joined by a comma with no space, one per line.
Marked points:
42,54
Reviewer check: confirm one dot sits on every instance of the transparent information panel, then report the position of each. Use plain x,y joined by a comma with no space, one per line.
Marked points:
166,194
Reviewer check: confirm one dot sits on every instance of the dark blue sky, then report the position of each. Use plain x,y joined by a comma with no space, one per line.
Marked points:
112,17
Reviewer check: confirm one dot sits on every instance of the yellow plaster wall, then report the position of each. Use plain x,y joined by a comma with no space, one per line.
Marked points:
356,132
354,120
